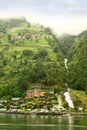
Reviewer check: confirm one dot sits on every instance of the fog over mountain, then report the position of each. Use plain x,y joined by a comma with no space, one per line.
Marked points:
63,16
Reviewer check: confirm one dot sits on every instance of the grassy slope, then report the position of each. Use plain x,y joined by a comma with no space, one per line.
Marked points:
19,45
81,96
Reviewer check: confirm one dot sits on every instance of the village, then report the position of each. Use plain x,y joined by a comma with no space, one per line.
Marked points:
35,101
38,101
31,55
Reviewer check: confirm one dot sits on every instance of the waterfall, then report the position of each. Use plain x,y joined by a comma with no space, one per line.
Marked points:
67,94
68,99
65,62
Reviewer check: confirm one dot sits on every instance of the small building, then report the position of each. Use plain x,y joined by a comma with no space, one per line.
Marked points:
3,101
37,25
1,105
30,93
15,99
13,107
35,93
23,105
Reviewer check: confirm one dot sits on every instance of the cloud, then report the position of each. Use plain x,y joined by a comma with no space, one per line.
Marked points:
70,2
46,7
55,13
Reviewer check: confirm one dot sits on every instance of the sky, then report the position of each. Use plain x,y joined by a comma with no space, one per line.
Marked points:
63,16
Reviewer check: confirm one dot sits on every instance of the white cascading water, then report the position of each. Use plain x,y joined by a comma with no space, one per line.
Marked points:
68,99
67,94
65,62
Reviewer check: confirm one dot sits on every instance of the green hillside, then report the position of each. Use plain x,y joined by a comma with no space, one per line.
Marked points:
78,63
33,54
28,54
66,42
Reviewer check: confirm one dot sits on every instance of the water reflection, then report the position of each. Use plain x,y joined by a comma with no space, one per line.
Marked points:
70,118
33,122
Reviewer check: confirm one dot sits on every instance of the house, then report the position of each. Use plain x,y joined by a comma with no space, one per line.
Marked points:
15,99
30,93
13,107
35,93
37,25
37,37
3,101
23,105
18,37
1,105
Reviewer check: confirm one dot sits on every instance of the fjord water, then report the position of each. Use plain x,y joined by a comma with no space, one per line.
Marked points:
32,122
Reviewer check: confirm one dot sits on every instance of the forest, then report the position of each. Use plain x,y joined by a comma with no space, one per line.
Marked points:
32,53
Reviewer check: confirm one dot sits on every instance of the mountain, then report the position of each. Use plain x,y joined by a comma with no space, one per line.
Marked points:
31,53
6,24
78,63
28,54
65,42
83,33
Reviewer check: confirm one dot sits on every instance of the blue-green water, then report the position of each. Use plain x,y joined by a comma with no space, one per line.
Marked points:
32,122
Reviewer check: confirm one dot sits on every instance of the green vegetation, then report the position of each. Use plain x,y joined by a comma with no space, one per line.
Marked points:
79,99
78,63
33,54
45,103
28,54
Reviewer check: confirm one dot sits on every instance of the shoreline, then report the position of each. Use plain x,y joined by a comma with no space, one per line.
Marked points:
47,114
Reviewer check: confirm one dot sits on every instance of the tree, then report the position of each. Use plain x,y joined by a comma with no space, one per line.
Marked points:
48,31
9,37
4,61
42,52
28,52
1,73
